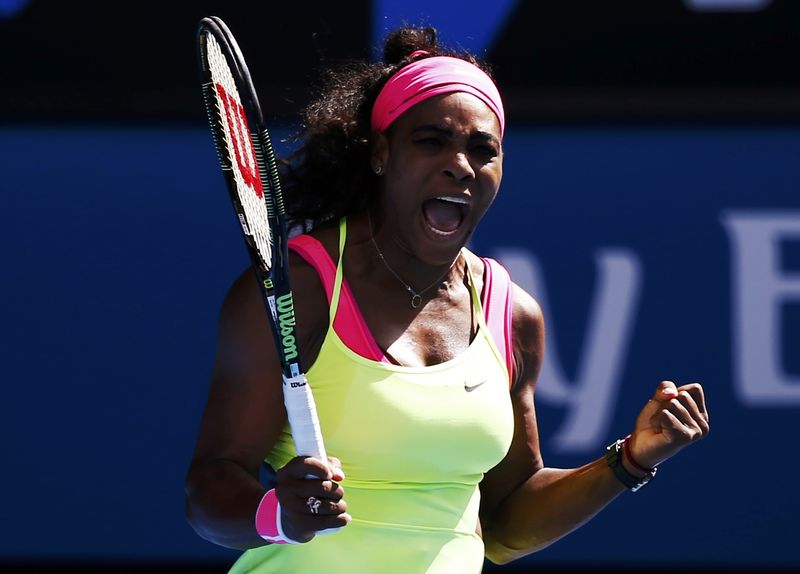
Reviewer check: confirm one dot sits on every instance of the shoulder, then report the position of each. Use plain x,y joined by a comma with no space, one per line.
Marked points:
242,308
243,334
244,325
528,328
528,318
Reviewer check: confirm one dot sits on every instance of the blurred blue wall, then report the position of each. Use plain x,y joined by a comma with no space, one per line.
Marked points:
656,253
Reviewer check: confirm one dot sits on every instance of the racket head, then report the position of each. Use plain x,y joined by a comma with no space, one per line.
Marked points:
236,121
248,162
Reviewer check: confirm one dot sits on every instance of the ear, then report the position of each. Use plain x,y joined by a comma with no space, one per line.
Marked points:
379,154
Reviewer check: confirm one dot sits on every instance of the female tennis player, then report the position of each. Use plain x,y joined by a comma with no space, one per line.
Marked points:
421,355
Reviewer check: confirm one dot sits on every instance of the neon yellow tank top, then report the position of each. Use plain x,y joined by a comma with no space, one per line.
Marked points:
414,443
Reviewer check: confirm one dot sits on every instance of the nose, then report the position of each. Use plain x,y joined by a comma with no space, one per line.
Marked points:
459,167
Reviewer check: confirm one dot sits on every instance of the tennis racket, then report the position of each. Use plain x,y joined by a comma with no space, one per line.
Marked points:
248,164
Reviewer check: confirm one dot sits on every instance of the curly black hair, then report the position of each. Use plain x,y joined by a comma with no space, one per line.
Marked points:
329,175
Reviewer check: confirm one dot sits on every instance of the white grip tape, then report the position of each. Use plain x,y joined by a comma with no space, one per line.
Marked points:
303,420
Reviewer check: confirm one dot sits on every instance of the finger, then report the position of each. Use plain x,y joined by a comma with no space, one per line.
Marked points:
680,430
698,395
331,521
306,466
676,407
336,468
665,391
319,488
691,407
674,428
336,521
295,494
313,506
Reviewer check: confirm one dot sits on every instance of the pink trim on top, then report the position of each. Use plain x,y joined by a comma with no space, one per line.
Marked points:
352,329
497,303
348,323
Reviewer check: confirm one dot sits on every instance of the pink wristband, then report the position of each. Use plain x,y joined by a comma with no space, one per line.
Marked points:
268,520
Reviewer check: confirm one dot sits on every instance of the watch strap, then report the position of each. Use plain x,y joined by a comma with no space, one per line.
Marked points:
614,461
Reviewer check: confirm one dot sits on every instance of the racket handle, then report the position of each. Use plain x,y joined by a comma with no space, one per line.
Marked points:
303,420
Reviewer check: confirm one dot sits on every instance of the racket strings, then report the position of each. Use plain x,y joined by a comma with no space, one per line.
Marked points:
240,151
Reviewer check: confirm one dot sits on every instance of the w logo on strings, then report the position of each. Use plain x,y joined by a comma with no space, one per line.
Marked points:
240,140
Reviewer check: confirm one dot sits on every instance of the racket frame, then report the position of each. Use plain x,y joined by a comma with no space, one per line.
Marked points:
273,276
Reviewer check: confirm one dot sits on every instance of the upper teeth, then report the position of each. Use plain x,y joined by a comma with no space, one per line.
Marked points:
461,200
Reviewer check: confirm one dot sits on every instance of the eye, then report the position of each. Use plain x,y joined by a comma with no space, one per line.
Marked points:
429,141
486,150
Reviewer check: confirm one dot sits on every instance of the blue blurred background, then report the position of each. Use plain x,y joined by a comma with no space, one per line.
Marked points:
650,202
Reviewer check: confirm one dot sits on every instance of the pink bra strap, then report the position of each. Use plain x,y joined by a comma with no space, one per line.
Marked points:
348,323
315,255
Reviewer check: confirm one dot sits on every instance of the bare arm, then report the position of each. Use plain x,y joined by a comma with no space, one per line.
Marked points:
243,419
525,506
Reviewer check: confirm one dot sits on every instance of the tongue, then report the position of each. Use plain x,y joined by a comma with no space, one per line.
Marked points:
442,215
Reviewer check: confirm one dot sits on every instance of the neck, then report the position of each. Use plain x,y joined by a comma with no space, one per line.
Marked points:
417,288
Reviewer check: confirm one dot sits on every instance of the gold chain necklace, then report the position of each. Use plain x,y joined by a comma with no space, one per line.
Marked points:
416,296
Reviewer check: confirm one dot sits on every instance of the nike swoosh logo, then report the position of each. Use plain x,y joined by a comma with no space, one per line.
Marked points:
470,388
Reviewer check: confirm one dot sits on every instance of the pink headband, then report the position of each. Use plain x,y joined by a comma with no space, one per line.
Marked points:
430,77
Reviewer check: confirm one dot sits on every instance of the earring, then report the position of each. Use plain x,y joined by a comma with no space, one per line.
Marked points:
378,169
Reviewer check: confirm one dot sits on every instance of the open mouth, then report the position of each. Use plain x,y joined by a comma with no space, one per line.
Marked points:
444,215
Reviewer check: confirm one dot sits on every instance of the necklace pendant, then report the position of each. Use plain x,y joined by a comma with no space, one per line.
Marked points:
416,301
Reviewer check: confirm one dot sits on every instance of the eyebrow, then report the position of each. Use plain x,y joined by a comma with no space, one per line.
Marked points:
449,132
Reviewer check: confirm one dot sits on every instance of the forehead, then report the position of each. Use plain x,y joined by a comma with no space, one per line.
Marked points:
458,111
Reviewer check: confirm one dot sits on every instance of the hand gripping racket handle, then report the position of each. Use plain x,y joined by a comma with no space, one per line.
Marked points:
303,419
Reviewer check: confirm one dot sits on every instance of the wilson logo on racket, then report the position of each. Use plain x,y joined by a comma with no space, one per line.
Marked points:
243,223
286,323
240,137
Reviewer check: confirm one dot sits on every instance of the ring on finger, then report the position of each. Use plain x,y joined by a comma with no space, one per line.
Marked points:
313,504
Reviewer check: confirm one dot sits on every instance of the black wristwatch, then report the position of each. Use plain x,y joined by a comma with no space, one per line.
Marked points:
614,460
